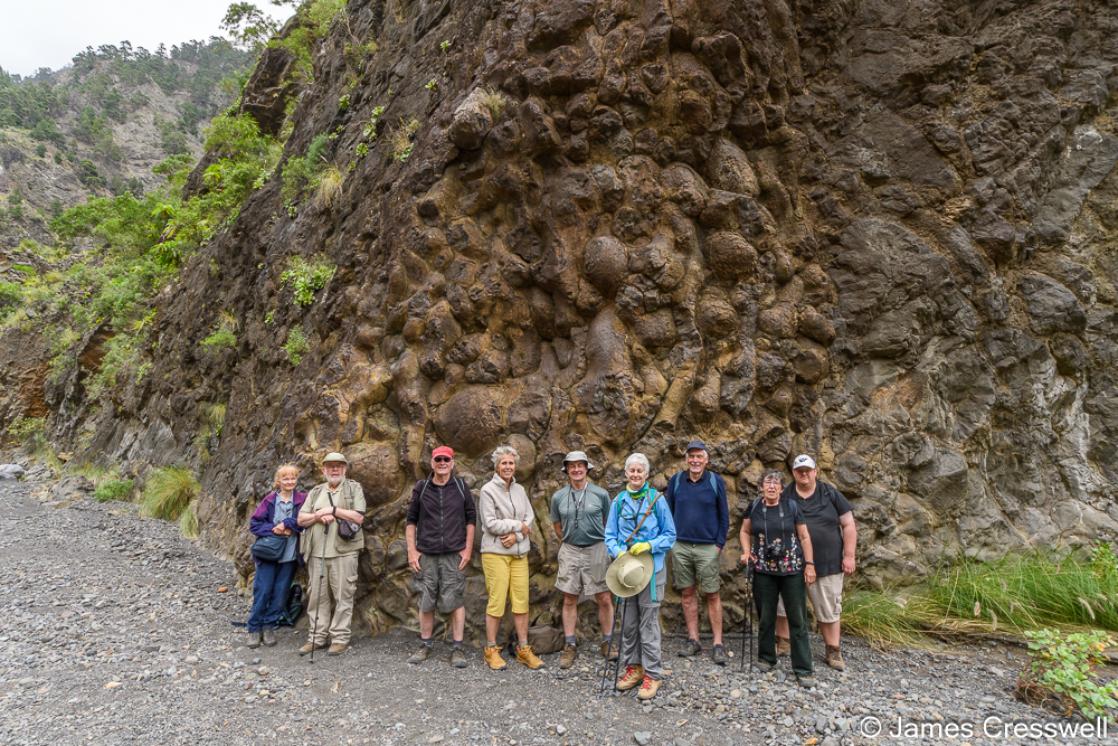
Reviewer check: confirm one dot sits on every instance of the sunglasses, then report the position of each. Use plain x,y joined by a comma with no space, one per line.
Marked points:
443,459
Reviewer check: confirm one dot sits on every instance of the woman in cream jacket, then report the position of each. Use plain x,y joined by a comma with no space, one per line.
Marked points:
505,517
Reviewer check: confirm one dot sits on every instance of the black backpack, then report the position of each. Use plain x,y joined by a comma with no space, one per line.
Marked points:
294,607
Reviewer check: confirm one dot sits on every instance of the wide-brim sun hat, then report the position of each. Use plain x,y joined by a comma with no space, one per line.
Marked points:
334,458
629,574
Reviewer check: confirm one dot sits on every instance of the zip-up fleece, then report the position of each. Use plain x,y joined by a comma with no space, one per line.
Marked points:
501,509
261,522
440,515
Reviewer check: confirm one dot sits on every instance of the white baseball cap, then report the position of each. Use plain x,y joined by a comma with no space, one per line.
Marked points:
803,461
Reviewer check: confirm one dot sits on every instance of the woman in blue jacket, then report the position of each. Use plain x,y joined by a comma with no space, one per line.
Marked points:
639,522
275,515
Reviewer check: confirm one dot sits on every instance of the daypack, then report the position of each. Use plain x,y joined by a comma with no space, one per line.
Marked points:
713,483
293,609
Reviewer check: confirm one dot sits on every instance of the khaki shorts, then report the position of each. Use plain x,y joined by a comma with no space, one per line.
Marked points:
825,595
695,564
443,584
582,570
506,578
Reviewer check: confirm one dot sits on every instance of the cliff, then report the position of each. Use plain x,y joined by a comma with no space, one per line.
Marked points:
880,232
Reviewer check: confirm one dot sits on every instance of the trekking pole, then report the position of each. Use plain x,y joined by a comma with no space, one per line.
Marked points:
747,621
615,634
318,601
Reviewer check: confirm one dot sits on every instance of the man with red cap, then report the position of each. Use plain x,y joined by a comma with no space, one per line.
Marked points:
440,537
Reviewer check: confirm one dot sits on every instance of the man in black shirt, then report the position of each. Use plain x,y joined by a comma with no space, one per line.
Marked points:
830,521
440,537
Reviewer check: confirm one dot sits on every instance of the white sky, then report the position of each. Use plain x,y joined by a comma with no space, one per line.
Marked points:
48,33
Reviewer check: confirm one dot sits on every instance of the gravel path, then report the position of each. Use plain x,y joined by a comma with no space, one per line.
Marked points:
113,631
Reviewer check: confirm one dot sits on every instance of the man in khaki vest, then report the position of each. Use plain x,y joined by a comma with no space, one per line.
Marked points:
331,559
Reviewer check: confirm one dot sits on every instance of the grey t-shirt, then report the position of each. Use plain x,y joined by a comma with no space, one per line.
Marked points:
821,513
581,513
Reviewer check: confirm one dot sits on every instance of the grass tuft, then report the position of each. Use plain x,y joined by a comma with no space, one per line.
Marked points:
113,489
188,521
168,492
329,188
1012,596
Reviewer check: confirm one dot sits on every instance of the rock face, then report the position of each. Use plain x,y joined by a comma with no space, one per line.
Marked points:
877,232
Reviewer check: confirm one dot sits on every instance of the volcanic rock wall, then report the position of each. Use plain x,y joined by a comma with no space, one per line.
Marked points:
880,232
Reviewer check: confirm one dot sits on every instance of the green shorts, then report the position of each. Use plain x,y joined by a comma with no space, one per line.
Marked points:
695,564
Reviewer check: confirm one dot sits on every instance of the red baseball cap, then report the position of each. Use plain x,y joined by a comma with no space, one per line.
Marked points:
443,451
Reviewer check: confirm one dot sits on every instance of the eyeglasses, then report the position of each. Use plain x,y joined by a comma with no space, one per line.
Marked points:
443,460
777,482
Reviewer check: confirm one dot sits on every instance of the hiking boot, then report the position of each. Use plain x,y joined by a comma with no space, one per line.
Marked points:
253,639
422,653
691,649
807,681
633,676
834,658
608,651
337,648
649,687
525,655
718,655
783,646
567,657
309,646
765,666
458,657
493,658
268,638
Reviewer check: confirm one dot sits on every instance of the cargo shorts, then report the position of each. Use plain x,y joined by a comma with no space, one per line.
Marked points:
582,570
695,564
442,584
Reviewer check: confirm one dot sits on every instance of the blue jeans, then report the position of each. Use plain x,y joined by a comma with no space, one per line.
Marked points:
269,593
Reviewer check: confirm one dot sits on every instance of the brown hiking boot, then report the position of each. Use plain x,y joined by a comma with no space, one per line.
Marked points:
649,687
337,648
493,658
834,658
633,676
525,655
608,651
309,646
422,653
783,646
567,657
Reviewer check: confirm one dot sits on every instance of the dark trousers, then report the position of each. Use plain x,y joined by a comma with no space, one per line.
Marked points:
269,593
766,589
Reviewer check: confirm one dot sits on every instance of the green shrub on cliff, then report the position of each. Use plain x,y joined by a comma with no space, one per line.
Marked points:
168,492
30,432
306,278
295,345
224,335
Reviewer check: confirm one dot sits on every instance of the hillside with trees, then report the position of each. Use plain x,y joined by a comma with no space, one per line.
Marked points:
98,127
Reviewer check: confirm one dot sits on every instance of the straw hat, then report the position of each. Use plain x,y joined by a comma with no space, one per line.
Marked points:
629,574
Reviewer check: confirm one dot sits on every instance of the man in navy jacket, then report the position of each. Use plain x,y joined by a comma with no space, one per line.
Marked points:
697,498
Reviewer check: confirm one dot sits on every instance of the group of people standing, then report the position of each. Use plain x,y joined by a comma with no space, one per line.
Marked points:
798,543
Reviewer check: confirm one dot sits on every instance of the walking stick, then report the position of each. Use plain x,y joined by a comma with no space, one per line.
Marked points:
747,621
615,634
318,601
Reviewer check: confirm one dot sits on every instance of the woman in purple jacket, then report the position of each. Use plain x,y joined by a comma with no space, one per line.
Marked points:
275,515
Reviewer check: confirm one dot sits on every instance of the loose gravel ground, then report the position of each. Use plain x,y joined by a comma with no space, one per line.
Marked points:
113,631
